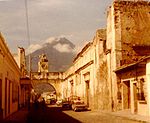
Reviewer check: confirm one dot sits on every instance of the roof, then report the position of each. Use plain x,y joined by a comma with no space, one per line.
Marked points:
132,64
82,51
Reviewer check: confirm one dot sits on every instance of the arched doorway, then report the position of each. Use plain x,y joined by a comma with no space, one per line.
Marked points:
45,91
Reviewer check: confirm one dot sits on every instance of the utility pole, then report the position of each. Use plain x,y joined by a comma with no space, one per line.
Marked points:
29,60
28,34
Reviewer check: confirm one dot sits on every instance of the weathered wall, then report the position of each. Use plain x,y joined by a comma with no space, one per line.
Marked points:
148,84
113,44
128,33
133,19
101,84
90,66
133,75
102,91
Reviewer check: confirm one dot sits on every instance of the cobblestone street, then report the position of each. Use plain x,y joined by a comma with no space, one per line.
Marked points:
98,117
55,114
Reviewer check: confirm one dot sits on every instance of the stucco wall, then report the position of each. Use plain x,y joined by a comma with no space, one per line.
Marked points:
88,67
9,71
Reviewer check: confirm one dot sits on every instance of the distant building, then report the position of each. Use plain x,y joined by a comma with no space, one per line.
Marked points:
25,82
45,82
43,63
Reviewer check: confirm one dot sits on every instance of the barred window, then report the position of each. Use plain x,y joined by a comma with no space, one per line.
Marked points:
140,89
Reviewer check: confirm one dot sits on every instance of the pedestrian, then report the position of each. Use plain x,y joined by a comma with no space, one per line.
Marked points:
43,104
36,104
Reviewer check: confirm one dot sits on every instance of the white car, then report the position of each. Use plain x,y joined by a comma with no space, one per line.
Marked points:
59,102
78,105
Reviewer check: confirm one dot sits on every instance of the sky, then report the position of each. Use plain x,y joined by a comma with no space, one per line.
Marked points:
77,20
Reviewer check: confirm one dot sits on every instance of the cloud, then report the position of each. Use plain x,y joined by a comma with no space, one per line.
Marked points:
44,17
68,36
63,48
51,40
4,0
51,3
33,47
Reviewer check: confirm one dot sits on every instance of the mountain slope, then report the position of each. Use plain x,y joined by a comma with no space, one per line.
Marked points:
59,52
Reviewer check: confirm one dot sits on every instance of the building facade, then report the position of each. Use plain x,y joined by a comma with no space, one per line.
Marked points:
128,41
25,82
133,87
82,78
101,74
9,81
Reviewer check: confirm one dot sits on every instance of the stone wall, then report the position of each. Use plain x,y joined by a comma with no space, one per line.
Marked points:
101,84
53,78
128,33
102,91
133,19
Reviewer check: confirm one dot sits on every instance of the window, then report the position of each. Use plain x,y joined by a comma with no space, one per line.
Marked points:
140,89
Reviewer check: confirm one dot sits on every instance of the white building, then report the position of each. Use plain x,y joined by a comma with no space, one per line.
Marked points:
9,81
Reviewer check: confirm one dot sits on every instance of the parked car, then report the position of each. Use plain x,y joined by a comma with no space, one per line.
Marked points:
79,105
66,105
51,101
73,98
59,102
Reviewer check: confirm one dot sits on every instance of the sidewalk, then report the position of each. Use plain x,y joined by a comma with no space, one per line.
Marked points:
18,117
127,114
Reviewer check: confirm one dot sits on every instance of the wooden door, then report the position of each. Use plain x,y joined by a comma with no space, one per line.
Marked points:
126,95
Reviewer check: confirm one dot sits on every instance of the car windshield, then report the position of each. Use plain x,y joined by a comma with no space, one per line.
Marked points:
74,98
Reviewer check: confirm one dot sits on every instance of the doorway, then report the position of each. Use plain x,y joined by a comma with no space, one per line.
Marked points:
6,108
126,94
87,87
134,97
1,111
72,89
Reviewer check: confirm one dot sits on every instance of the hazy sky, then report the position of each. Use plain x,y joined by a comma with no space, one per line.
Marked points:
76,20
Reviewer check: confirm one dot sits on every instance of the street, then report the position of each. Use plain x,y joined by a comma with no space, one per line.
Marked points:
54,114
97,117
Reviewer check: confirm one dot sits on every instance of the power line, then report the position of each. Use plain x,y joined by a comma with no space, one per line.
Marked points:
28,32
